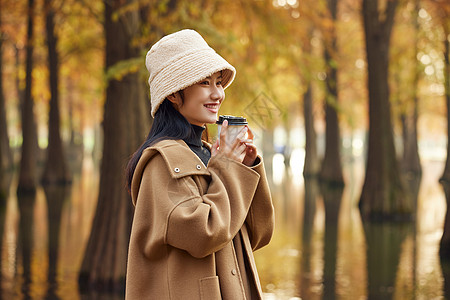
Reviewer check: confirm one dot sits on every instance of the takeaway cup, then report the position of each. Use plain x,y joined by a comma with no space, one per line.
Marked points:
235,124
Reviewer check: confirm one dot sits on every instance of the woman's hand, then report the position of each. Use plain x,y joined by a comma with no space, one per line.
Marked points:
240,149
233,150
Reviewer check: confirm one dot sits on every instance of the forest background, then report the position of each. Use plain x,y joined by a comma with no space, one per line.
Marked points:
73,81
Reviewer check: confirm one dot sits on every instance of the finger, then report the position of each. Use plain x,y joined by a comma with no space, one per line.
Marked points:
250,148
223,132
242,152
250,153
250,133
240,138
244,130
241,149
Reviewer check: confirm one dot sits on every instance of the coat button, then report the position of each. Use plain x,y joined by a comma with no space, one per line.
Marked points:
234,272
198,167
177,170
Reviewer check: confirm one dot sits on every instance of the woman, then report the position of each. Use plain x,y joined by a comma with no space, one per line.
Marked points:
200,210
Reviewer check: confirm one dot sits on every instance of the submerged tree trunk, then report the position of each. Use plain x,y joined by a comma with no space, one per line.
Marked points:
104,263
55,170
28,172
383,195
331,170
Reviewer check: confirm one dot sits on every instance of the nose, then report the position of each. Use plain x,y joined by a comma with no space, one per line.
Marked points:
217,93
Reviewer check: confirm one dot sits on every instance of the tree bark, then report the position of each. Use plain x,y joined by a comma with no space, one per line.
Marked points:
27,173
55,171
104,264
383,195
331,170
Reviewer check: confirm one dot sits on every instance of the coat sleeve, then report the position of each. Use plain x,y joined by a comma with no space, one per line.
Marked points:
261,217
201,224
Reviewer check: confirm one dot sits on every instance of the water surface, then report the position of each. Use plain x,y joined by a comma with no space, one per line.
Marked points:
320,248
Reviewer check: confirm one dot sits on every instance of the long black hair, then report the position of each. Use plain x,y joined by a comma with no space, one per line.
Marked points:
168,124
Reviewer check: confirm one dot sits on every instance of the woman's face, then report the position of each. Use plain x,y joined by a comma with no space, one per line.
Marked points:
201,100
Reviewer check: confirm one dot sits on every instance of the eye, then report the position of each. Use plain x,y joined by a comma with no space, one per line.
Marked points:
219,82
205,82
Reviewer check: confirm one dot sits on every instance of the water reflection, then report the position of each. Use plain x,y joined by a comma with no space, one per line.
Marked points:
309,212
319,229
25,242
332,197
57,196
445,263
2,230
384,241
320,248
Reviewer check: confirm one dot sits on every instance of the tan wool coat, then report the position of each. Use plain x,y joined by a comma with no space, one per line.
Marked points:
195,228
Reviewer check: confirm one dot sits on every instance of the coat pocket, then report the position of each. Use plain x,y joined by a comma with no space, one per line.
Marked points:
210,288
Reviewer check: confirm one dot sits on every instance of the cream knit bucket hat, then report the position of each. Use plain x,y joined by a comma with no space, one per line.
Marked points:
179,60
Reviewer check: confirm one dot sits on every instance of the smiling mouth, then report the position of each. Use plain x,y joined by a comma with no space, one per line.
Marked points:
211,106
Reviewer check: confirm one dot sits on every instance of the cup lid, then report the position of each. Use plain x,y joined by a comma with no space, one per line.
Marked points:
232,120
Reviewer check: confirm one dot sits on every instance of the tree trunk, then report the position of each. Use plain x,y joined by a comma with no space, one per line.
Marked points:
55,170
6,160
311,167
410,164
104,264
383,195
411,161
331,170
27,173
445,179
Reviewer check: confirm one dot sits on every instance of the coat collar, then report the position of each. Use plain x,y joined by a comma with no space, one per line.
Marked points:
179,159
